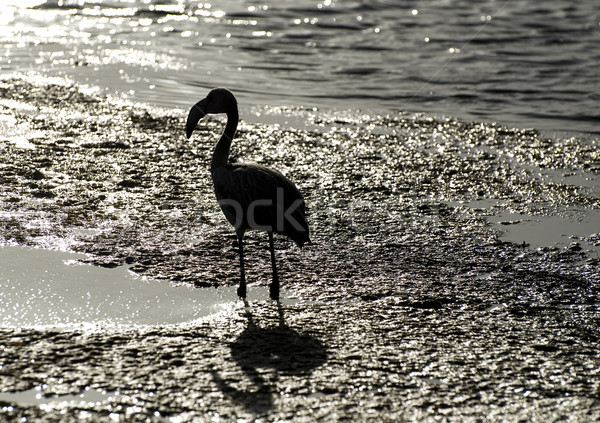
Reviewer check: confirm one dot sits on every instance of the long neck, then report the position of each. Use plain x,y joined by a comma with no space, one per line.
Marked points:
221,153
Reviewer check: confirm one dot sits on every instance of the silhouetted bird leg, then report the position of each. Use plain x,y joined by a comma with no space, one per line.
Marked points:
247,308
241,291
274,288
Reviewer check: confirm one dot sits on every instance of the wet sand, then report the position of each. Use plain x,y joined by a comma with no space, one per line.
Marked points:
413,306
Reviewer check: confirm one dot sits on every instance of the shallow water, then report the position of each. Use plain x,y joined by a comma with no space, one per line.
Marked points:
35,396
514,62
54,289
552,231
571,227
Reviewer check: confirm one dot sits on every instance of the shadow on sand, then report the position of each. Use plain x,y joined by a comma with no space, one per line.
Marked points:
264,354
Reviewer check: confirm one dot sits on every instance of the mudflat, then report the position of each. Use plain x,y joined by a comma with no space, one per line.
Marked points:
412,305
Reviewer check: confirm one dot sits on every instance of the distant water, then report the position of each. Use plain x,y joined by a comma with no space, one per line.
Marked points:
516,62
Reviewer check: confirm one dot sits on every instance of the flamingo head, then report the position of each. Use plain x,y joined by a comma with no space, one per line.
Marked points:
218,100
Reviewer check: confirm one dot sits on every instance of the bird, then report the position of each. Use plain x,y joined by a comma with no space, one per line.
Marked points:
251,196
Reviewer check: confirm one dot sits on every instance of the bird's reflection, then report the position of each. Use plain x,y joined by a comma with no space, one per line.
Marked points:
265,354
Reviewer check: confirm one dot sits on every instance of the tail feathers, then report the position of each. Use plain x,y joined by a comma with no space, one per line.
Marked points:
299,235
302,239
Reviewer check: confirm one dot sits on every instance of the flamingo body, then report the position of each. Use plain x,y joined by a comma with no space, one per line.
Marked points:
267,193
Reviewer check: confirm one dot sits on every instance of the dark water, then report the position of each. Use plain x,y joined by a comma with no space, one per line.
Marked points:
516,62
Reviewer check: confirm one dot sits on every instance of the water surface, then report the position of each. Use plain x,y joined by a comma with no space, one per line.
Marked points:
515,62
50,288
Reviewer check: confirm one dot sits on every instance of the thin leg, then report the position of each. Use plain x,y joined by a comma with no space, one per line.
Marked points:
274,288
241,291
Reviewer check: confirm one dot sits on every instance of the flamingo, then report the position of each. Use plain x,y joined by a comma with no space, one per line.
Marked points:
251,196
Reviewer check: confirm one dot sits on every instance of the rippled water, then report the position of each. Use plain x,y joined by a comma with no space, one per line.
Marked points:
530,64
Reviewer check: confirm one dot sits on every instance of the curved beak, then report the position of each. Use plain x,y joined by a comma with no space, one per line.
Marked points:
196,113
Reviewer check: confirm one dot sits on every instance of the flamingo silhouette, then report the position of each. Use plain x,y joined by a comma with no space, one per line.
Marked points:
251,196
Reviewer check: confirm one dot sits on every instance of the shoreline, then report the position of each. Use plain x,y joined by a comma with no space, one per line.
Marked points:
253,109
